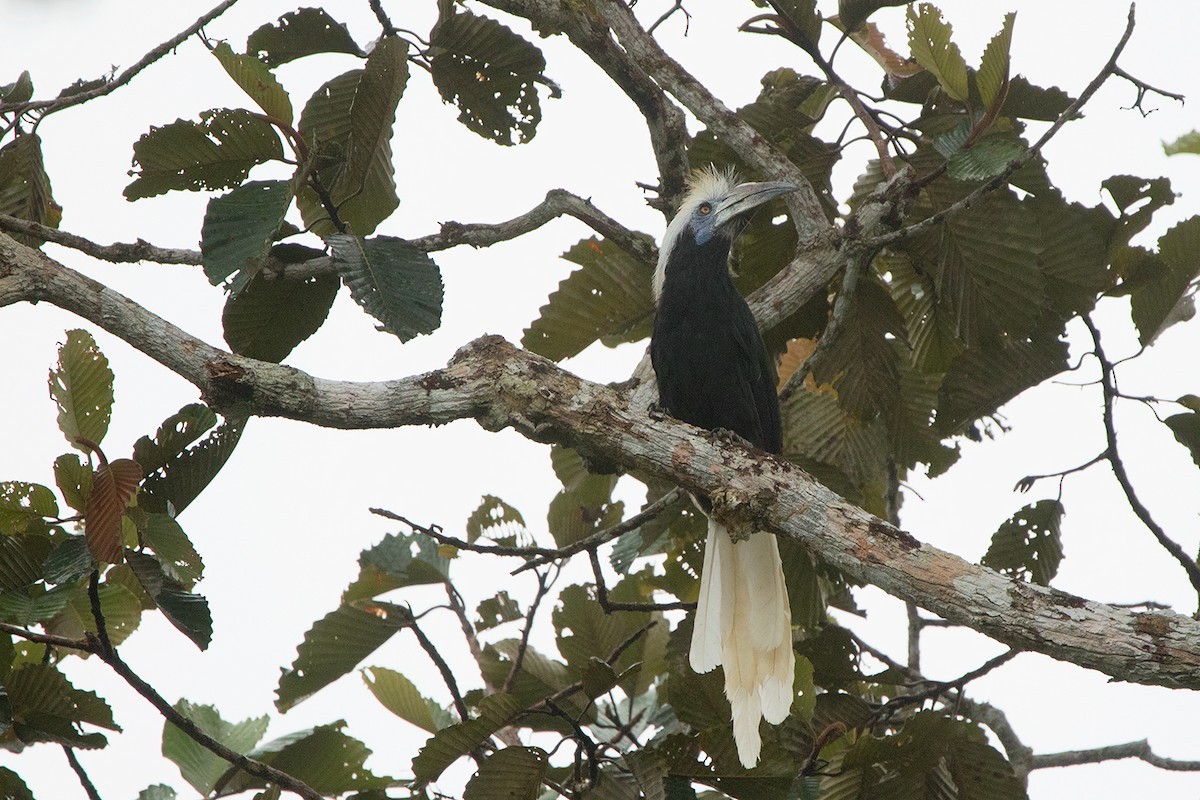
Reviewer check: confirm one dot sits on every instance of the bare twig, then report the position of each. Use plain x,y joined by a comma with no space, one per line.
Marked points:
384,21
59,103
1026,483
447,674
939,688
1118,466
435,532
544,584
610,606
666,15
1113,752
86,782
119,253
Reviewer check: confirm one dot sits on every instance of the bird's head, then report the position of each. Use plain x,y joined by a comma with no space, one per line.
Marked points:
715,210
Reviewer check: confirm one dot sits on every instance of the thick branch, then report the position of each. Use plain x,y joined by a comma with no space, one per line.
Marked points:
501,386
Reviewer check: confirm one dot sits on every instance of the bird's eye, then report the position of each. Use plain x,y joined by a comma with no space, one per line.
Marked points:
705,209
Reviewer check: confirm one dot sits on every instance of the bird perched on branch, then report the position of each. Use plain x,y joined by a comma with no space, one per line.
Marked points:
713,370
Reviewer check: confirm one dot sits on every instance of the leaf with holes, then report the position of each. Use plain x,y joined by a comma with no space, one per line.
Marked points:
186,611
74,480
335,645
173,436
512,773
496,520
607,299
24,505
113,486
1028,545
185,475
393,281
301,33
398,695
82,388
238,229
199,766
324,757
215,153
453,742
496,610
175,552
396,562
269,318
25,191
256,79
490,73
929,42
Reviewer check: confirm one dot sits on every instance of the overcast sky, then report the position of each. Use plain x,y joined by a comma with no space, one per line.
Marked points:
281,528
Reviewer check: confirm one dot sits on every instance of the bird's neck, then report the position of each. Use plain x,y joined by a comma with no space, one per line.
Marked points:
696,275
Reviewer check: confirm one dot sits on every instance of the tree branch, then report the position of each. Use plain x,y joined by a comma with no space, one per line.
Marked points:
501,386
89,788
1112,752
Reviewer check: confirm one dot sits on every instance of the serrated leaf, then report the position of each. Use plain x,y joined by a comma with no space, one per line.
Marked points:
238,229
21,559
74,480
25,191
122,610
496,610
986,158
929,43
495,519
173,436
511,773
575,514
815,427
393,281
324,757
335,645
300,33
45,707
176,554
853,13
490,73
269,318
1073,255
188,612
113,485
1137,200
215,153
185,475
82,388
12,787
398,695
585,632
980,381
1028,545
348,124
256,79
1188,143
200,767
451,743
1186,428
992,78
1155,304
158,791
69,561
1026,101
33,606
24,504
607,299
398,561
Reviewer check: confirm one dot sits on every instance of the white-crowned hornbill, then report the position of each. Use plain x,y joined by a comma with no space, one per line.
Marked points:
714,371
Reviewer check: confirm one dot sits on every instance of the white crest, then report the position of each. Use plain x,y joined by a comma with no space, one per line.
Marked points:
707,184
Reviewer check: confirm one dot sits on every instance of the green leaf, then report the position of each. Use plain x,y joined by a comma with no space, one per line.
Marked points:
396,562
607,299
992,78
69,561
22,504
122,610
1186,428
511,773
335,645
33,606
200,767
74,480
270,317
575,514
853,13
930,326
1187,143
538,678
45,707
490,73
816,427
25,191
929,42
980,381
82,388
986,158
185,475
451,743
585,632
348,126
323,757
176,554
173,436
1028,546
398,695
186,611
862,364
256,79
496,610
393,281
19,91
1161,303
21,560
113,486
1073,257
1137,200
12,787
158,791
1026,101
305,32
496,520
238,230
215,153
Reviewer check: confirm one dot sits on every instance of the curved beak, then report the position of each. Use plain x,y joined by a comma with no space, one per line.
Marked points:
744,198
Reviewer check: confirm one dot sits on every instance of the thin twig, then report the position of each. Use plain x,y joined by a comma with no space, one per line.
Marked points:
384,21
442,666
610,606
544,584
1118,466
59,103
435,532
1112,752
81,773
1026,483
940,688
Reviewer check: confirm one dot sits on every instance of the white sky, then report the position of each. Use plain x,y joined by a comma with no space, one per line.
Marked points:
281,528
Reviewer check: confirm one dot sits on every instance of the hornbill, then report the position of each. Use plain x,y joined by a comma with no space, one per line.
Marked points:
713,371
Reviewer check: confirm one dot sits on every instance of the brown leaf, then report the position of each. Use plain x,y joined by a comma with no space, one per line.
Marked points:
112,486
798,351
871,39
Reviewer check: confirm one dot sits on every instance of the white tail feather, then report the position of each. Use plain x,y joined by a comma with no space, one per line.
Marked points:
744,623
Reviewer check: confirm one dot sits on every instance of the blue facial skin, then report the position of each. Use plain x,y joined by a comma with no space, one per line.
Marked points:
703,225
